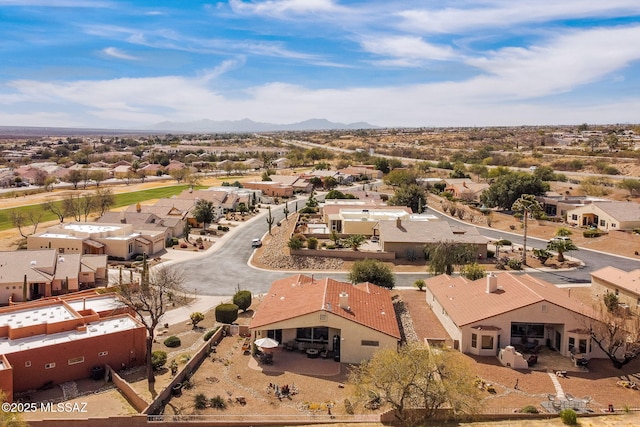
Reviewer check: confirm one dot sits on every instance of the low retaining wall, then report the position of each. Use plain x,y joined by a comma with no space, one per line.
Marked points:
339,253
165,395
129,393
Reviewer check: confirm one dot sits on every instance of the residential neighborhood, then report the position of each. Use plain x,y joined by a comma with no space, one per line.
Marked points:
331,232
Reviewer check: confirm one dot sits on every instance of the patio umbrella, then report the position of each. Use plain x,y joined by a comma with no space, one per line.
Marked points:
266,343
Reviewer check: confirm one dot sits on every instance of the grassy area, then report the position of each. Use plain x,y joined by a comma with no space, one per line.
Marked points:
123,199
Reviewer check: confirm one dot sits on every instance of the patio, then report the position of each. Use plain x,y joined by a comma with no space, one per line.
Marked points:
296,363
555,404
552,361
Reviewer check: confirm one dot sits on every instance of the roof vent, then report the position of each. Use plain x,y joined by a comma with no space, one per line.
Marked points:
344,301
492,283
33,262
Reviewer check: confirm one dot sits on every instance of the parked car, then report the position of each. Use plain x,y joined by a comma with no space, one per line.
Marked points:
375,239
560,239
256,243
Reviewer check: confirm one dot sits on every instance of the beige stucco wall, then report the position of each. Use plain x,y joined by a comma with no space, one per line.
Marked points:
600,287
64,245
610,223
358,227
562,320
351,334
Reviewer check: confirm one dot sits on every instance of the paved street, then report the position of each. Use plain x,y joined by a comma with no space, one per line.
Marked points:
225,269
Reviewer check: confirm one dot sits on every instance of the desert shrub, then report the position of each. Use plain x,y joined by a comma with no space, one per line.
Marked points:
308,210
200,401
569,417
172,341
420,284
473,271
348,407
226,313
529,409
140,258
312,243
592,233
196,317
209,334
242,299
331,246
218,402
504,242
515,264
500,266
187,384
158,359
295,243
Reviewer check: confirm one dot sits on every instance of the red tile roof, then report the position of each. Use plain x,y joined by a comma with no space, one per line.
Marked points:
295,296
468,302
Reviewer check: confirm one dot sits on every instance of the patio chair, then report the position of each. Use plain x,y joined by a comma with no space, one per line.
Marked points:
324,353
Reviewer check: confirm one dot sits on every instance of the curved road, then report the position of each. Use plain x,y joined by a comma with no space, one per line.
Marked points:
226,269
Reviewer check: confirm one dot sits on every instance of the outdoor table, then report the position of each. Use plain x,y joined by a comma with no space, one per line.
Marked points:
312,353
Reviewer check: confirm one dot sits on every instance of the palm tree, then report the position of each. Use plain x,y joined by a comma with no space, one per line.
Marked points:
561,246
528,205
355,241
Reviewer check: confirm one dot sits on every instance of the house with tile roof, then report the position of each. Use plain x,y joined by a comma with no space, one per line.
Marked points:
465,188
486,315
609,215
625,284
352,321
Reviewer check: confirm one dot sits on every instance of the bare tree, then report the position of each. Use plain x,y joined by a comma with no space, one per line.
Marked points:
71,205
58,208
21,219
103,200
87,204
617,333
149,301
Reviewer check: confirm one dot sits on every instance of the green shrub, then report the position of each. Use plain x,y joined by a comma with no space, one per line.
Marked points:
312,243
200,401
331,246
242,299
529,409
420,284
158,359
226,313
140,258
218,402
569,417
187,384
473,271
592,233
172,341
209,334
504,242
196,317
515,264
295,243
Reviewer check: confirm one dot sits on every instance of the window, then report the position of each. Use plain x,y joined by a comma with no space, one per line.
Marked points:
103,353
583,346
76,360
50,366
487,342
613,225
27,364
602,223
323,317
544,308
474,340
318,334
572,343
617,291
574,217
529,330
369,343
130,247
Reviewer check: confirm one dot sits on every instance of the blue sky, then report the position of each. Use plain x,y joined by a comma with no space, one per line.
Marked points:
131,64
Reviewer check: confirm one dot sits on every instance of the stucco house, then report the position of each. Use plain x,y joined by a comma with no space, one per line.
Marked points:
352,321
625,284
609,216
465,189
47,273
56,340
408,238
117,240
486,315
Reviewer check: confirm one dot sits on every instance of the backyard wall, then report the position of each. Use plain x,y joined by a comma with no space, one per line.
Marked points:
344,254
123,386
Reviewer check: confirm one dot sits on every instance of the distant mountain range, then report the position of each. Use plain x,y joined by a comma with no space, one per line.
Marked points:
248,125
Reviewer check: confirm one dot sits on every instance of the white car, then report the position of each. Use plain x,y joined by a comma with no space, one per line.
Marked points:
560,239
256,243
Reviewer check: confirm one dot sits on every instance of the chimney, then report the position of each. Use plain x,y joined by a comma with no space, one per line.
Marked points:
344,301
492,283
399,222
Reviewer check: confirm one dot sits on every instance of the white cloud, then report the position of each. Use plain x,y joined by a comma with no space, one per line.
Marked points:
223,68
474,15
281,7
117,53
410,50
